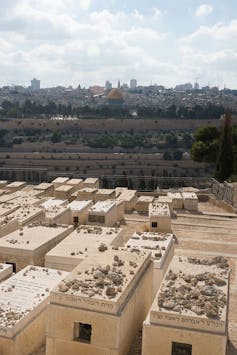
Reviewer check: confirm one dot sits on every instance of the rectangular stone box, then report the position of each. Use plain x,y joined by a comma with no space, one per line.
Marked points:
190,200
103,213
29,244
161,246
106,320
59,181
24,298
80,244
87,193
105,194
46,189
143,202
58,215
177,200
190,309
159,217
79,211
5,271
91,182
129,197
63,192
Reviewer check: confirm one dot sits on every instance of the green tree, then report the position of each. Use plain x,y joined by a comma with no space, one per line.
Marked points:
225,161
205,146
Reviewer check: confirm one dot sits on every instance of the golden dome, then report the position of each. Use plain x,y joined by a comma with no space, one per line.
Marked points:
115,94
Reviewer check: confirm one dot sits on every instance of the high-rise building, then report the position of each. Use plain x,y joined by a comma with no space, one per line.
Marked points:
35,84
133,84
108,86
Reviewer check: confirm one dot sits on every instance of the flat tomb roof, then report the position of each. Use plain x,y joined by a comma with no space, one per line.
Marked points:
189,196
145,199
56,211
105,191
43,186
91,180
74,182
102,206
103,281
16,184
78,245
79,205
175,195
159,209
53,203
64,188
60,180
157,243
88,190
26,212
24,295
193,294
31,237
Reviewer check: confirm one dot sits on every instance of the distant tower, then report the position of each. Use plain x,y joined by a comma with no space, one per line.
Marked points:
35,84
119,84
108,86
133,84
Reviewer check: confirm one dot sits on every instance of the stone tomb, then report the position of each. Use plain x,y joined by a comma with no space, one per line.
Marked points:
59,181
161,247
29,245
52,202
63,192
166,199
76,183
190,201
79,211
130,199
87,193
105,194
23,301
28,214
142,204
80,244
189,313
58,215
5,271
103,213
100,306
159,217
8,224
46,189
16,185
91,182
177,200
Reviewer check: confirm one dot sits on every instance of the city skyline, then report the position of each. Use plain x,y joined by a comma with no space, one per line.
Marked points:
87,42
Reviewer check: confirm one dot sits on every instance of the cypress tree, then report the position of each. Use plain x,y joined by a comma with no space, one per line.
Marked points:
225,160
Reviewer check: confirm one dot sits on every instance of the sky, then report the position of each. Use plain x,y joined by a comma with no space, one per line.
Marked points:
86,42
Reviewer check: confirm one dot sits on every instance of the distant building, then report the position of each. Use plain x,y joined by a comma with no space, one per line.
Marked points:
35,84
133,84
108,85
196,86
184,87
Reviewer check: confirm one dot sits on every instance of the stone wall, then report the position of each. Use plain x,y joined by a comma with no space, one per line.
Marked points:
225,191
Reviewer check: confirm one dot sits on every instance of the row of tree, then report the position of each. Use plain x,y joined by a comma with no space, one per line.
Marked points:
29,108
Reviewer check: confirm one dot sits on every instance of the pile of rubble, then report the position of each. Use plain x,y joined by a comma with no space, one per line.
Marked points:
200,293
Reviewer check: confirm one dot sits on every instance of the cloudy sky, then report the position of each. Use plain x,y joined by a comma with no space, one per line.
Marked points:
71,42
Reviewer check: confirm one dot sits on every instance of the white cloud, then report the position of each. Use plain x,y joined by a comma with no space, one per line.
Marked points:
204,10
156,13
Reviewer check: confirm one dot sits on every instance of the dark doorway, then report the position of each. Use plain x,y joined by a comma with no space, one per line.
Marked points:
181,349
13,266
82,332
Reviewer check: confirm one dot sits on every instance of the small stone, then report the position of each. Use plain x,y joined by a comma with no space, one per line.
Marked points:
111,291
169,304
